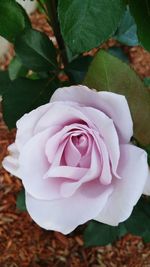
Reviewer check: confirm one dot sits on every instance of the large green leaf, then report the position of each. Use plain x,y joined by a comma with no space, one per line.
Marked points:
77,69
23,95
87,24
141,12
110,74
4,81
36,51
16,69
118,52
13,19
127,30
20,203
139,221
147,81
99,234
146,236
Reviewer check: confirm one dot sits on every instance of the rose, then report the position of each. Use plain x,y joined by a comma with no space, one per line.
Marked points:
76,161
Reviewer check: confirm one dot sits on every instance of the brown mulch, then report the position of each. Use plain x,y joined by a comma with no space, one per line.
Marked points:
24,244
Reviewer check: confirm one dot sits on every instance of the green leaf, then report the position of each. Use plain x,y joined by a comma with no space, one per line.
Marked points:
13,19
127,30
87,24
4,81
16,69
99,234
77,69
146,236
110,74
147,81
141,13
20,203
122,230
139,221
23,95
36,51
118,52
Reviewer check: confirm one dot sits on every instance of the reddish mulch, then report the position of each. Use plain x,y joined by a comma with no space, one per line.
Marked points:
23,243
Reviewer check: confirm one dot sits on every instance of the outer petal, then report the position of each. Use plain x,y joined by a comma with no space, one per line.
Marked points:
10,163
133,169
34,164
66,214
114,105
25,125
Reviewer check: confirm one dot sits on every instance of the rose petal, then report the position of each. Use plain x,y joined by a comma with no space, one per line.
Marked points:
113,105
53,142
65,215
33,166
25,125
106,176
86,158
59,155
61,114
71,154
69,188
133,169
10,163
106,129
72,173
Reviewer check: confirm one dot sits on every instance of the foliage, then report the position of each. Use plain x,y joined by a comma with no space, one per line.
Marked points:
141,12
79,30
18,20
127,31
36,46
20,203
98,234
118,77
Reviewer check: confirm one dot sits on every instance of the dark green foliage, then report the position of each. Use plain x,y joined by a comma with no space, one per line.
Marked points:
107,72
13,19
21,205
127,30
16,69
23,95
78,68
141,13
98,234
87,24
36,51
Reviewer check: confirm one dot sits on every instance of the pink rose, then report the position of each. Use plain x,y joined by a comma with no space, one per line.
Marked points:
76,161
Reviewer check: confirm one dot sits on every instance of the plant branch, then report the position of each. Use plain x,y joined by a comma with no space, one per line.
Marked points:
53,17
42,6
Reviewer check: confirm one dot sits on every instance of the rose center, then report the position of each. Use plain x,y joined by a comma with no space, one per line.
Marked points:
81,143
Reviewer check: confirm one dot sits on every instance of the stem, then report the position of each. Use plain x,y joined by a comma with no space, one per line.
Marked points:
43,7
53,16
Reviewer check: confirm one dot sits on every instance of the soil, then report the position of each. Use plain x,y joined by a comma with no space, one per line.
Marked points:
24,244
